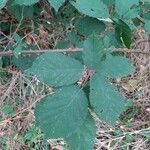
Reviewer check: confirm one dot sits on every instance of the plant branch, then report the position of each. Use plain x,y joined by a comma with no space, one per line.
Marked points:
36,52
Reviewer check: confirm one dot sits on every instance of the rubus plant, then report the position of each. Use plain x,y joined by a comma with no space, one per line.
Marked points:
68,112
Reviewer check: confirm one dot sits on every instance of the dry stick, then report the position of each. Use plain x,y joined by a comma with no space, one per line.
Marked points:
36,52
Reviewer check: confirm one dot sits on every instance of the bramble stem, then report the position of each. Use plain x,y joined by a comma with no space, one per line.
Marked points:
36,52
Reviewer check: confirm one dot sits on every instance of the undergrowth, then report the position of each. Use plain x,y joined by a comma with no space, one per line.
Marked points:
95,65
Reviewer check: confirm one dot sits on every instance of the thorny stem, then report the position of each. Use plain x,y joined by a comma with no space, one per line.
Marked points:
37,52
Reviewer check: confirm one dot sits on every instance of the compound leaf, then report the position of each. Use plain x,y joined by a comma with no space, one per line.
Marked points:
62,113
56,69
96,9
84,137
105,99
93,51
116,66
56,4
26,2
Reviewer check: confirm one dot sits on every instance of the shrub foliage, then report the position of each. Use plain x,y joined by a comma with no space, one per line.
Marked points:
68,113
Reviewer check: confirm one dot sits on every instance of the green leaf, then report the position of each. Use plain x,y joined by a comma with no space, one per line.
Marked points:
62,113
146,134
26,2
62,44
73,38
2,3
56,69
56,4
123,32
113,42
17,51
129,138
123,6
8,109
84,137
116,66
105,99
147,25
23,63
93,51
146,4
96,9
132,13
19,101
17,38
19,11
77,56
87,25
1,63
